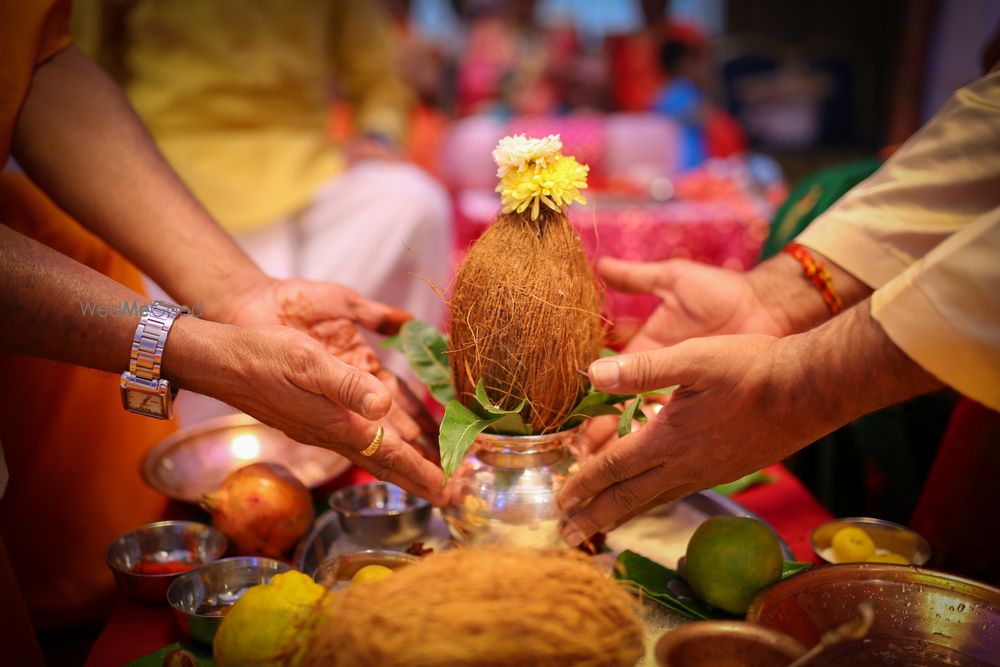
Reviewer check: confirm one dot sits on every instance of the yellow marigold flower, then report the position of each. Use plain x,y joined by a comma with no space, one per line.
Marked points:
534,172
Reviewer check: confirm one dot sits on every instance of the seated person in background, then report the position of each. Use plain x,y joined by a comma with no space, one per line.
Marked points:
237,96
681,98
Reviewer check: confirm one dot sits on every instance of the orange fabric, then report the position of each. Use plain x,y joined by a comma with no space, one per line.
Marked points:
31,32
73,453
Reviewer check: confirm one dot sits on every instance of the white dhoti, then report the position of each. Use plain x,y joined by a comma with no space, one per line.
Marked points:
382,228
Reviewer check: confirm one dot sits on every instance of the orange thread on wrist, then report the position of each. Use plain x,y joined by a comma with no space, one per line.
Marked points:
817,275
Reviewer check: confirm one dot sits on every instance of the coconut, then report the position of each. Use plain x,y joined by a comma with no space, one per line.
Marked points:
526,306
469,607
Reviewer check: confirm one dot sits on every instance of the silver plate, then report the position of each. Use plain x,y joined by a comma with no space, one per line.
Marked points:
197,459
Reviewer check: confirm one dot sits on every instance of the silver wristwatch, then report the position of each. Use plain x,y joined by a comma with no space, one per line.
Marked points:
144,392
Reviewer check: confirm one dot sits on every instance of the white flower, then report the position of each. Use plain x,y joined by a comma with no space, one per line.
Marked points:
518,152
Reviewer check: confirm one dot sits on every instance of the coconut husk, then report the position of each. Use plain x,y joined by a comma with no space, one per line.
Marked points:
482,607
526,318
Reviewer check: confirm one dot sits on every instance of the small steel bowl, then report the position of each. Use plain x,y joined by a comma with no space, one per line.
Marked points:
922,617
707,643
343,567
885,534
216,586
157,540
380,513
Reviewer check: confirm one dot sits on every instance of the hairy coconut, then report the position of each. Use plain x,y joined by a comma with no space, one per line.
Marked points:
526,318
468,607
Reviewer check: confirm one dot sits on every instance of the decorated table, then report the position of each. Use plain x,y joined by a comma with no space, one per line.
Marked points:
135,629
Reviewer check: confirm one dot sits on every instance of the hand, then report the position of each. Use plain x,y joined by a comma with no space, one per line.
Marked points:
287,380
695,300
740,406
330,313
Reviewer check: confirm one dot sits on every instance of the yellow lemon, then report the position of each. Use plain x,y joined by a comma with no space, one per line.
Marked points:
852,545
269,624
370,573
888,557
729,559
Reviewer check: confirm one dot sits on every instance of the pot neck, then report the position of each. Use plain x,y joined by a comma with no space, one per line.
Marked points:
523,451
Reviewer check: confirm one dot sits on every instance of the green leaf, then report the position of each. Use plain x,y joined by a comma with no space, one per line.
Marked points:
745,482
790,568
459,429
666,391
594,404
425,348
391,343
510,423
628,414
607,352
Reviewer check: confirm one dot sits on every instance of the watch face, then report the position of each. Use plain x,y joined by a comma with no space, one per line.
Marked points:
149,404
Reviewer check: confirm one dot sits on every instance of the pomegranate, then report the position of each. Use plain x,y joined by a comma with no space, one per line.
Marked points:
262,508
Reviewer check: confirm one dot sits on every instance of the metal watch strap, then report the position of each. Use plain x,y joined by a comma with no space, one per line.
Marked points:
150,339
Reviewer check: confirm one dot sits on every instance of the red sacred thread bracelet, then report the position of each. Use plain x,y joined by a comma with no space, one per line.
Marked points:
817,275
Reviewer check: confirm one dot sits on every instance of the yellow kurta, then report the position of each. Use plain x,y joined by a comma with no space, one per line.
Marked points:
236,92
924,231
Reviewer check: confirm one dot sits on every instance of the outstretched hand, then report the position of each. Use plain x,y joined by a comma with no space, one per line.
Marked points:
732,414
331,313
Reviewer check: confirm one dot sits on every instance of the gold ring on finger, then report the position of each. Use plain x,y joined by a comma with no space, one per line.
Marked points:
375,444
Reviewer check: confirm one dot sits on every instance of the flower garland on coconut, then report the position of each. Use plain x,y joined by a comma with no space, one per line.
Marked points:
526,307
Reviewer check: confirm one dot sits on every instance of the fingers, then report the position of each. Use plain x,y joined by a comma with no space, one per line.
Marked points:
379,317
647,371
632,456
608,508
397,462
344,384
633,277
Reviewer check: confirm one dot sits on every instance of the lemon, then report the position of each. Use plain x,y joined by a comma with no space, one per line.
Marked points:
729,559
888,557
370,573
852,545
269,624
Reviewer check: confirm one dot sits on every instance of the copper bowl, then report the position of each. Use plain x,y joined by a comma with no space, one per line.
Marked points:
708,643
197,459
885,534
922,617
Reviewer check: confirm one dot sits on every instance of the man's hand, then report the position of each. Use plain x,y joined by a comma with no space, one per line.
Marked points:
695,300
331,313
727,418
286,379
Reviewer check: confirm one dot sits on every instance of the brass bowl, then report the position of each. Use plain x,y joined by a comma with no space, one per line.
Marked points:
885,534
922,617
708,643
197,459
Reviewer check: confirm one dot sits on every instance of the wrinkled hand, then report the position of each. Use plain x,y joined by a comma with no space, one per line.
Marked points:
287,380
740,406
695,300
330,313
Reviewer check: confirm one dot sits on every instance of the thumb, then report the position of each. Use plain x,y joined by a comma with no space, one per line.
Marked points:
648,371
634,277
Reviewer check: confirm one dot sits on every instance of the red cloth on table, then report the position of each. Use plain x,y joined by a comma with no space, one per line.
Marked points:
135,630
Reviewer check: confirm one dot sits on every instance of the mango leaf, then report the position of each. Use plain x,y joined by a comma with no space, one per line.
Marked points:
594,404
510,422
666,587
607,352
459,428
425,348
745,482
628,415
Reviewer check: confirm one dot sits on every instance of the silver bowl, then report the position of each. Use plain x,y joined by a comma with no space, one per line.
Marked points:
197,459
380,513
161,541
885,534
200,598
345,566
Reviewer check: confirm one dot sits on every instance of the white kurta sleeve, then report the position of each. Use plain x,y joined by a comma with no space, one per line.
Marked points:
924,231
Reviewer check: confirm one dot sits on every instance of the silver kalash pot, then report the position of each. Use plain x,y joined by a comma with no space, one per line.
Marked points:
505,491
